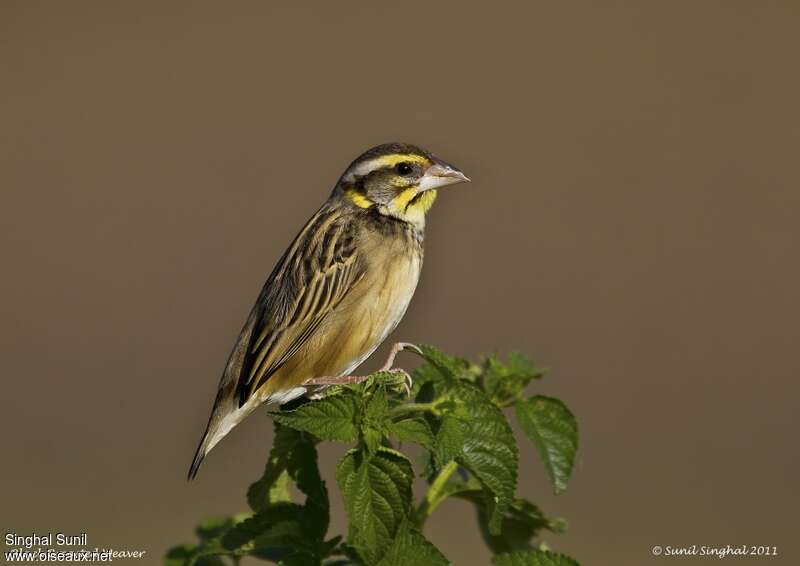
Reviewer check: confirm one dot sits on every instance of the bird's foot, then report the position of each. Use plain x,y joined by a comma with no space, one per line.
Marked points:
404,382
394,377
398,377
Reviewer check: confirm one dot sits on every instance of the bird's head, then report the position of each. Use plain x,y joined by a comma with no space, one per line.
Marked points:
397,180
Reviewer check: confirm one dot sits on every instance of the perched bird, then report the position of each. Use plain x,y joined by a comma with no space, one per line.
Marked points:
338,291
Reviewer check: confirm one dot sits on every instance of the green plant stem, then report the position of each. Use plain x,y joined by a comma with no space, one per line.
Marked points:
413,408
509,402
436,493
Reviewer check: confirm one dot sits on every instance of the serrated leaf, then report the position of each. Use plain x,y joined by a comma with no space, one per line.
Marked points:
330,418
284,533
210,551
505,382
377,406
273,486
533,557
299,559
180,555
412,430
373,439
489,450
520,365
425,381
520,524
411,548
262,524
449,367
304,470
293,456
330,545
449,439
375,419
377,495
552,428
213,527
471,454
207,557
279,490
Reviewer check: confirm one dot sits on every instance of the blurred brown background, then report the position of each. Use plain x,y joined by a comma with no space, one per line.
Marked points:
632,224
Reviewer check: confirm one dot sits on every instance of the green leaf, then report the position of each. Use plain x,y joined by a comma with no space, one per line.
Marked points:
273,486
206,557
426,379
331,418
180,555
411,548
377,496
300,559
520,365
412,430
213,527
282,534
449,439
533,557
489,450
520,524
451,368
470,453
505,382
210,551
372,438
293,456
193,555
554,431
279,490
377,406
375,419
279,524
304,470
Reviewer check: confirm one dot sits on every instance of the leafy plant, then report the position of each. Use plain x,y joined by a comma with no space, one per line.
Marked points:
469,452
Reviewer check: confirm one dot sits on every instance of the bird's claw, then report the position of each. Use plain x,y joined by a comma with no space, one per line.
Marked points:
402,379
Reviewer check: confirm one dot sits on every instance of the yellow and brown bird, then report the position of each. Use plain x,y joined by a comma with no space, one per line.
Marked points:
338,291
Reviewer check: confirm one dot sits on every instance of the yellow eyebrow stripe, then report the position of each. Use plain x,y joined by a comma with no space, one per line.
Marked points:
385,161
395,158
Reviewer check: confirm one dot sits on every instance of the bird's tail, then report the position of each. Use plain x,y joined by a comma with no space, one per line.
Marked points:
199,455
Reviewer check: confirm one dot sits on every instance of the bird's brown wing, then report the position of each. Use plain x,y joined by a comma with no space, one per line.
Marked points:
314,275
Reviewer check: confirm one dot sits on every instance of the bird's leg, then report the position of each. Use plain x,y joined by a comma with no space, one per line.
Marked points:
396,349
341,380
387,367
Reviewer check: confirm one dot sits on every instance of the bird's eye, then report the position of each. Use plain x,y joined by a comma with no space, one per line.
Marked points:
404,168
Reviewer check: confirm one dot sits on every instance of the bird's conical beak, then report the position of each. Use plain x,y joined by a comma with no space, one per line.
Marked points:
441,174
